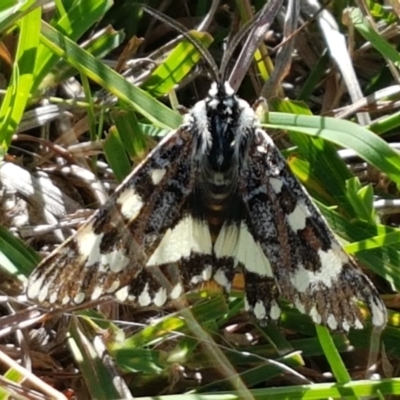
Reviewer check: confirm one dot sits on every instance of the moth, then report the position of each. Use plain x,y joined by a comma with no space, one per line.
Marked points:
214,197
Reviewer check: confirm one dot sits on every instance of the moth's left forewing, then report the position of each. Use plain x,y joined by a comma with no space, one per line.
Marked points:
310,268
122,250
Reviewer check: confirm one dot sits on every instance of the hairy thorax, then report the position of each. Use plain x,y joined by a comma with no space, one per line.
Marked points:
217,199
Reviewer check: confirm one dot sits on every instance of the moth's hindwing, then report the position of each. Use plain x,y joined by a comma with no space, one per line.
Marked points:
137,244
310,268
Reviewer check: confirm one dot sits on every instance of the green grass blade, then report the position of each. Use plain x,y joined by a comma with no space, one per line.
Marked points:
141,101
101,380
374,242
15,256
116,154
19,89
177,65
12,10
374,37
335,361
327,172
346,134
73,24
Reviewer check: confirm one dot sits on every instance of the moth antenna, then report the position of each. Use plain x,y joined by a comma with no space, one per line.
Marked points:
264,17
243,31
206,55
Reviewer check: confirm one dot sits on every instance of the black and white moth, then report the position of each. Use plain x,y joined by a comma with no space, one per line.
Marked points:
215,196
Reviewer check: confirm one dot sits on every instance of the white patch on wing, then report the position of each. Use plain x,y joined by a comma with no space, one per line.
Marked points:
346,325
275,311
205,275
300,306
66,299
79,298
331,322
222,280
89,244
276,184
227,241
207,272
358,324
331,268
97,292
297,218
144,298
188,236
122,294
130,202
259,310
315,315
43,293
34,289
114,286
240,244
53,297
246,304
176,291
89,247
157,175
378,314
160,297
116,259
250,254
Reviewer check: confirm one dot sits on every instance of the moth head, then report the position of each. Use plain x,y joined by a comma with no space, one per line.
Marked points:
222,124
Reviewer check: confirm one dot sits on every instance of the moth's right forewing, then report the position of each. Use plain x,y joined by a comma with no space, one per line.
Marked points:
111,249
310,268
